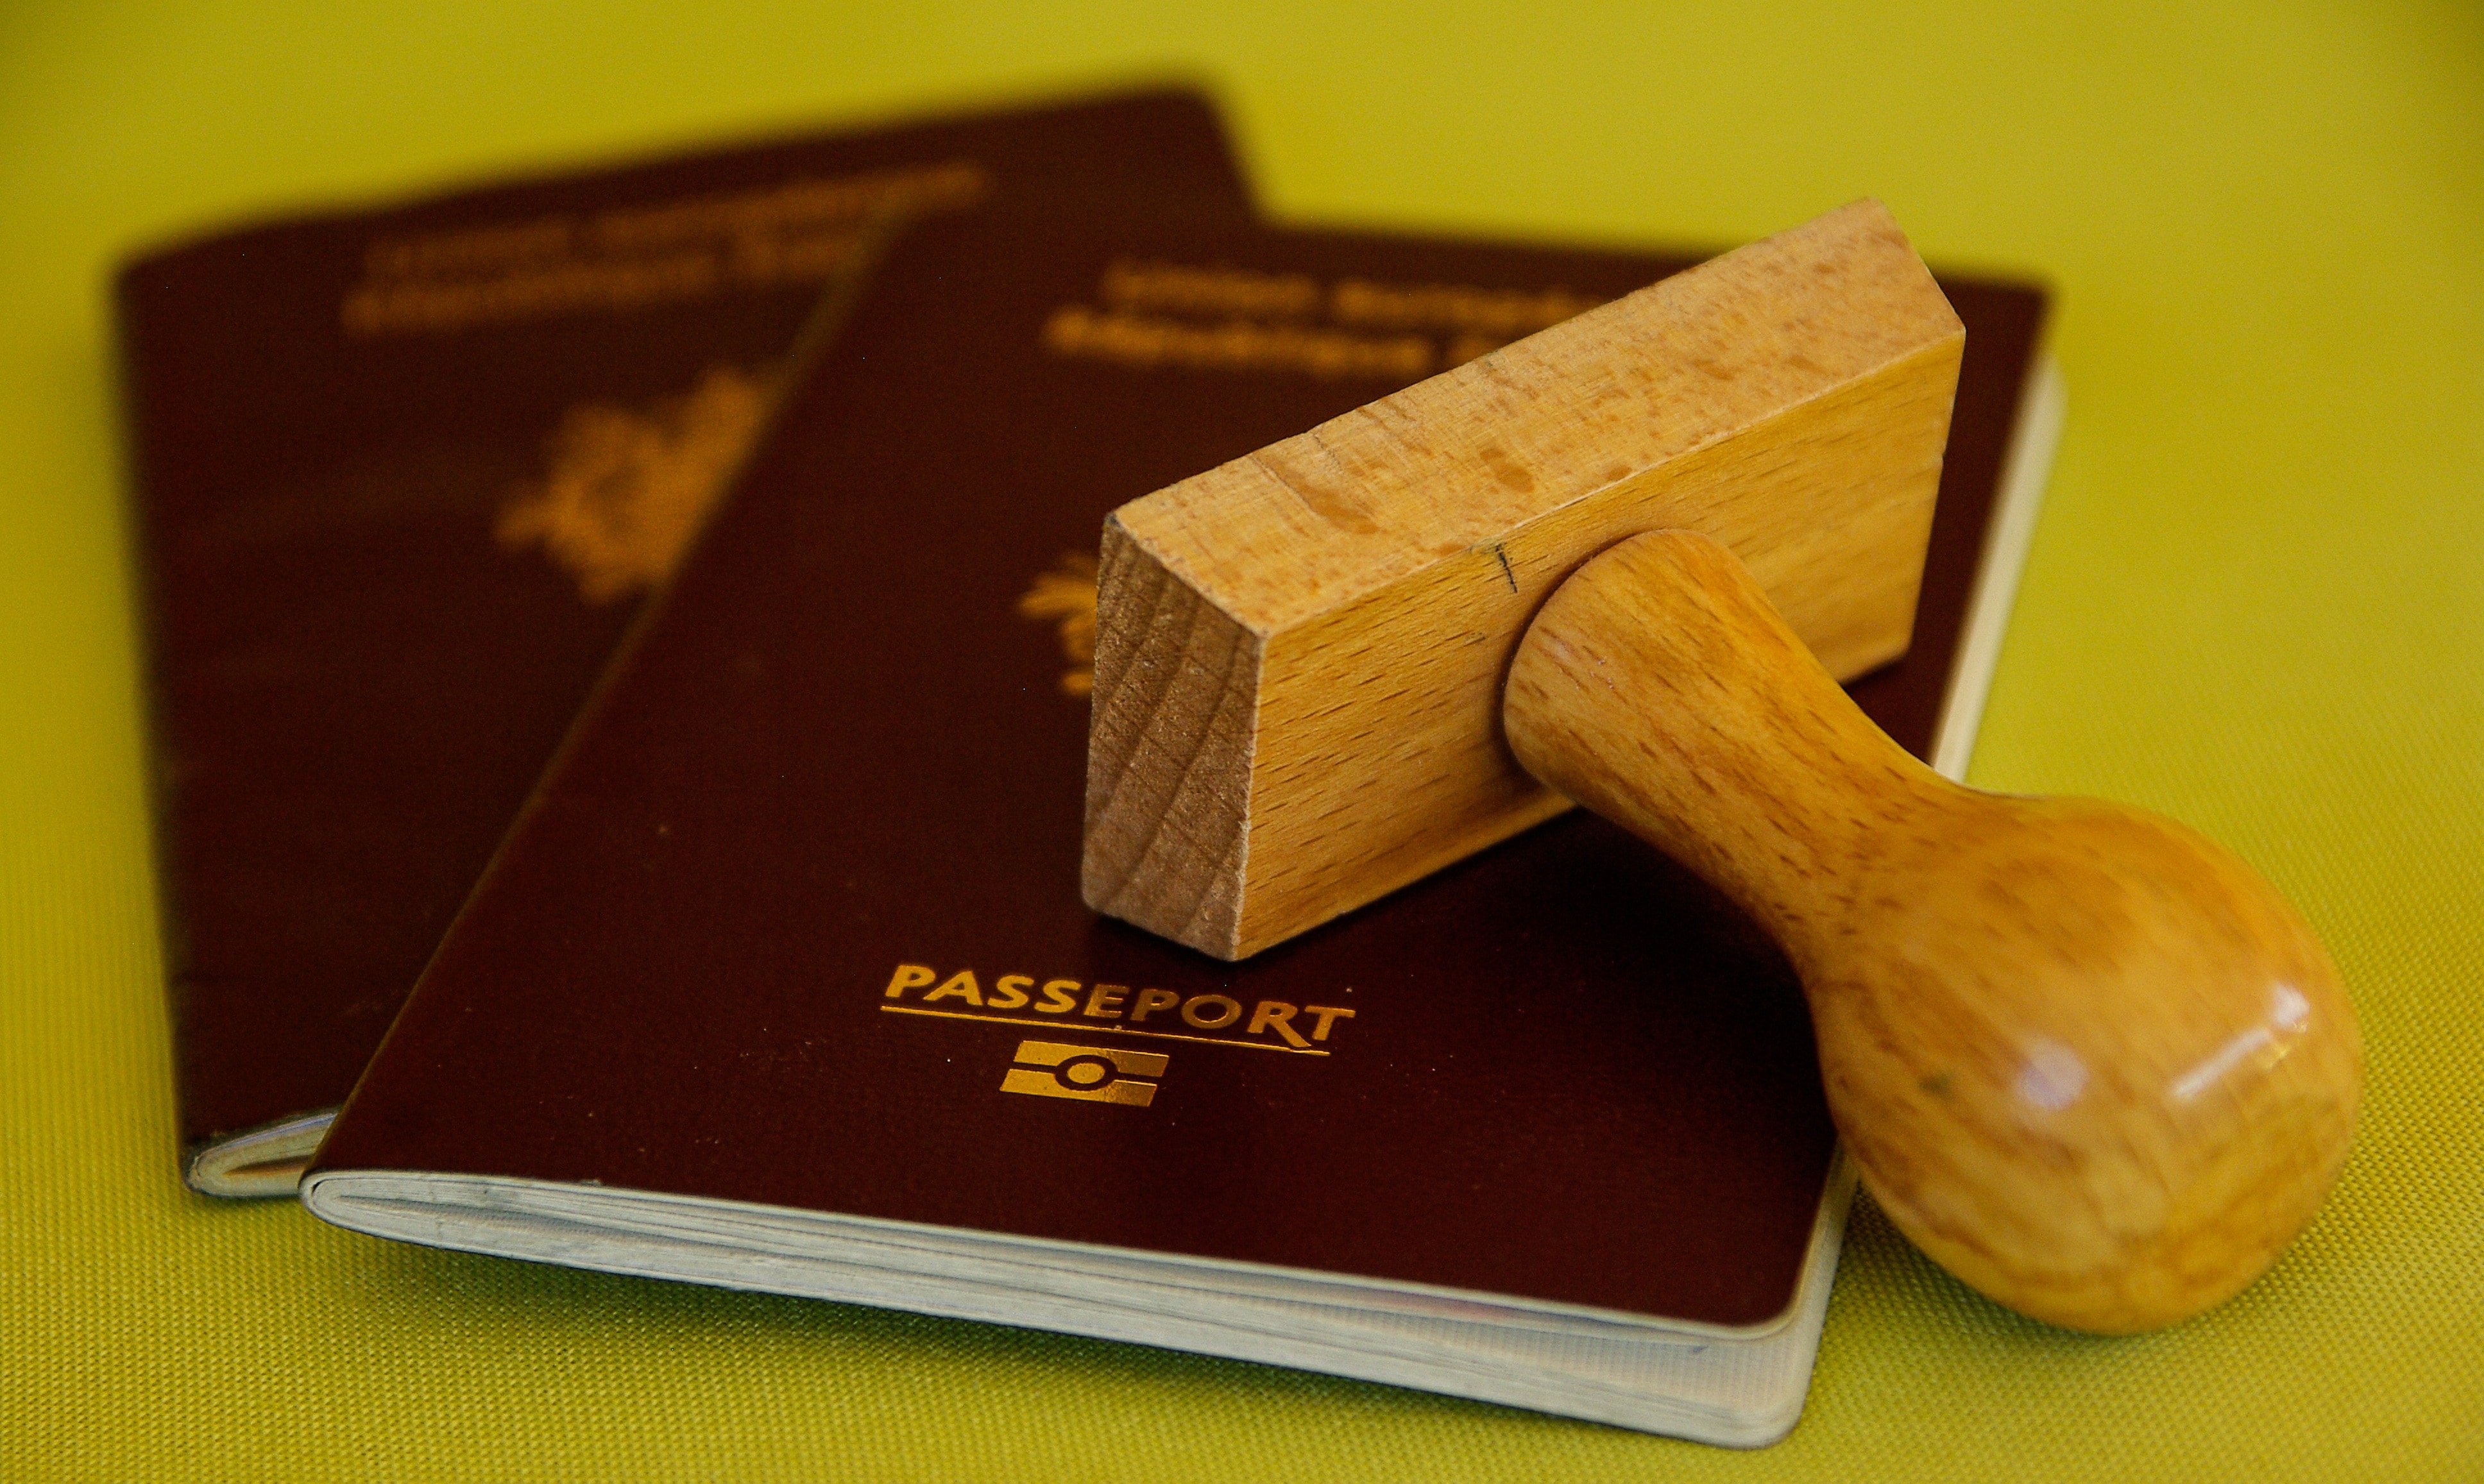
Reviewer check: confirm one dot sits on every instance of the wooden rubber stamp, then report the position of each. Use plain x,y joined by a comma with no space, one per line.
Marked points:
2085,1057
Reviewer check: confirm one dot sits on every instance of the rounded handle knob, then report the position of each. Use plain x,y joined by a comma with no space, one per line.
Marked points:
2085,1057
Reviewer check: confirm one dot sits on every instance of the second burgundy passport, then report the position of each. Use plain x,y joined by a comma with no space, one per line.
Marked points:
401,477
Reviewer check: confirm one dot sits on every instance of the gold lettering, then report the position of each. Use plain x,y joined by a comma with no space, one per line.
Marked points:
1278,1016
1179,290
794,206
1146,342
961,985
908,976
631,256
1328,1014
1198,1016
1505,313
1107,1002
422,305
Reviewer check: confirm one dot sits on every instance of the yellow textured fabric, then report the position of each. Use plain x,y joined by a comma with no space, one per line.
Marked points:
2253,604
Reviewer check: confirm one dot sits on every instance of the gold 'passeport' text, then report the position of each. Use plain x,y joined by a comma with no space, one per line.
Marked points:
1018,999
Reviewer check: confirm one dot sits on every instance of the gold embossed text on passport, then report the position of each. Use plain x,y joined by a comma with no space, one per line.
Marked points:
629,257
1163,1014
1093,1075
1153,315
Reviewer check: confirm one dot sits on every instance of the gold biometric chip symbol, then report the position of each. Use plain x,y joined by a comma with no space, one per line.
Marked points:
1090,1074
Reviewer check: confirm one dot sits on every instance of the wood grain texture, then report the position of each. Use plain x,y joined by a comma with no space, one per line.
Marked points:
2086,1059
1300,653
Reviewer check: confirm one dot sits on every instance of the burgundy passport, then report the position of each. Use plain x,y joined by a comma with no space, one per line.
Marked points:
782,980
402,477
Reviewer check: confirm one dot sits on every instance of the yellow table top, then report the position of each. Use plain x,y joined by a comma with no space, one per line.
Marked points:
2256,603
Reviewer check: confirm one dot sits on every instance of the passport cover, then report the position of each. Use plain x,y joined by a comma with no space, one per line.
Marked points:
402,477
793,924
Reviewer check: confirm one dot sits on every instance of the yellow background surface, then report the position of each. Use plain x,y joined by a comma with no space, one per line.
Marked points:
2253,604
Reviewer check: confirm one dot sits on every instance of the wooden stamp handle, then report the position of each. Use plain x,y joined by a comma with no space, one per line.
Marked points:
2085,1057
